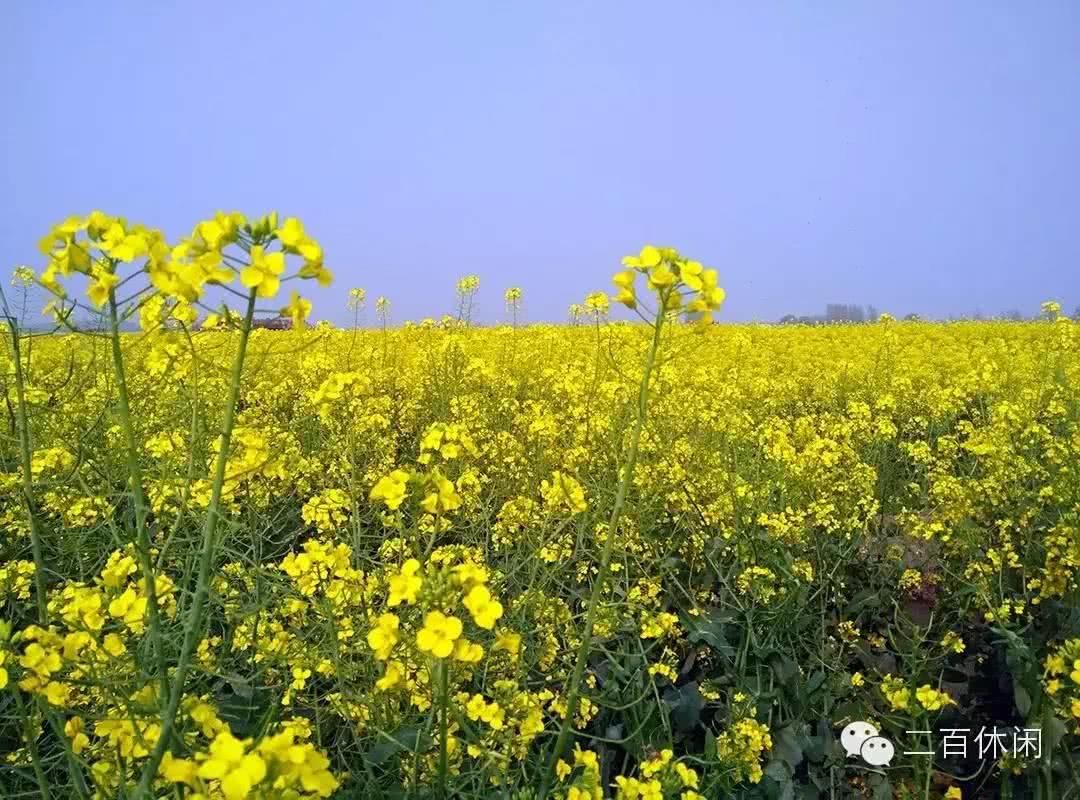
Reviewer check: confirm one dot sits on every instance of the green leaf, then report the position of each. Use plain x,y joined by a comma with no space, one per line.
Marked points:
1054,731
783,668
242,705
882,788
816,681
779,786
786,747
405,739
686,704
710,630
867,598
1022,698
710,745
239,685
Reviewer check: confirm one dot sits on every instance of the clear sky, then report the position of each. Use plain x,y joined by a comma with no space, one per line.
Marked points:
920,156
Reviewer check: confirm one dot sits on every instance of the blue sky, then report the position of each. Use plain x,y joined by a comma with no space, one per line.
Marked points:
919,156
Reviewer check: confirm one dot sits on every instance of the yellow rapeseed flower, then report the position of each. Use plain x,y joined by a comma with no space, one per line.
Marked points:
236,771
391,489
264,271
298,309
484,609
438,635
406,584
384,636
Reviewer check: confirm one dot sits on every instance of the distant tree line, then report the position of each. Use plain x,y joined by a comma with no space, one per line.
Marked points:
855,313
835,312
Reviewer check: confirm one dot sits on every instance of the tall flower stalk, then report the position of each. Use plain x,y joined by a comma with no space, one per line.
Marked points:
513,298
355,304
22,422
98,246
444,724
466,288
193,625
680,286
627,471
138,495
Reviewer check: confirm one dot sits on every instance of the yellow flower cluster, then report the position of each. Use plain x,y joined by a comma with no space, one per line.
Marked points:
563,493
742,747
327,511
15,579
899,695
660,777
98,245
449,441
759,583
1062,680
411,522
581,779
440,633
280,765
896,693
681,284
932,699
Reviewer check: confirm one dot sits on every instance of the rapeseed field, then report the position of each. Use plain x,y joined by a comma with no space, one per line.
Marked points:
650,559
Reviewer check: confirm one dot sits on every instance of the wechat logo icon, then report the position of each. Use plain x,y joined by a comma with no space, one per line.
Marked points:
862,739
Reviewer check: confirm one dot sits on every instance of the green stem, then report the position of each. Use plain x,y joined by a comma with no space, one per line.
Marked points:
1047,763
573,691
77,777
930,765
26,459
206,557
444,723
135,479
25,456
30,733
